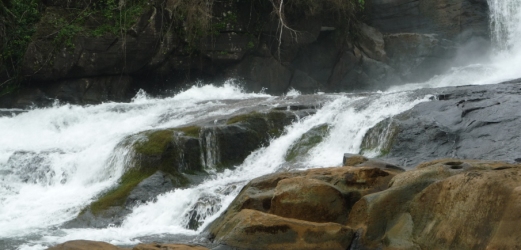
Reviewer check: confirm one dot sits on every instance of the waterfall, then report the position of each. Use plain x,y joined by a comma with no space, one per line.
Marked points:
505,17
55,161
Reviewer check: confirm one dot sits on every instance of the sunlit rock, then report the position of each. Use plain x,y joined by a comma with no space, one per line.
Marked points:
458,203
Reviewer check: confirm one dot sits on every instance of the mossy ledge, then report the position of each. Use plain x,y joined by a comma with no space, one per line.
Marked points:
245,117
153,154
192,131
276,120
155,143
118,195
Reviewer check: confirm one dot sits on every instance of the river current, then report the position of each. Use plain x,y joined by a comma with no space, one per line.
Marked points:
55,161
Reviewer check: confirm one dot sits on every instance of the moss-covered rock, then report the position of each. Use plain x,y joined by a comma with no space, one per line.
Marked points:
380,138
228,145
160,160
154,143
307,141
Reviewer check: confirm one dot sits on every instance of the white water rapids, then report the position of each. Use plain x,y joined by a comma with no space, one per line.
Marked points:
55,161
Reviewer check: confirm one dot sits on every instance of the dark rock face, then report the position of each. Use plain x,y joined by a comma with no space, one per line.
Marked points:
448,18
262,74
158,183
92,56
472,122
404,40
417,57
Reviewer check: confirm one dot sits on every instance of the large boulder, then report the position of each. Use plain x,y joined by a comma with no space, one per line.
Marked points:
471,122
443,204
251,229
316,195
310,200
84,245
97,245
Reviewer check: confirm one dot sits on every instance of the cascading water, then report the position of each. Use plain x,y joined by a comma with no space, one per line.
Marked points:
505,59
55,161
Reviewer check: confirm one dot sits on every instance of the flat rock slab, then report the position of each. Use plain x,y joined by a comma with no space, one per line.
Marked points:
469,122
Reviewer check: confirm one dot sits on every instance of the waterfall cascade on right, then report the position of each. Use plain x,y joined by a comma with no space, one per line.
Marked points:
505,20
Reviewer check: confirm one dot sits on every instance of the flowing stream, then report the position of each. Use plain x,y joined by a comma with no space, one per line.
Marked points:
55,161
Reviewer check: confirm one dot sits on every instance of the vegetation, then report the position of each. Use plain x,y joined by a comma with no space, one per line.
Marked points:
117,196
155,143
193,21
195,16
19,20
17,25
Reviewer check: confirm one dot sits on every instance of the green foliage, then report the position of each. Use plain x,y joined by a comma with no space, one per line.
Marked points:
195,16
19,18
251,45
66,33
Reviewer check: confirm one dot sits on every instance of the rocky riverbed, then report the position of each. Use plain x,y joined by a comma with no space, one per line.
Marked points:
460,150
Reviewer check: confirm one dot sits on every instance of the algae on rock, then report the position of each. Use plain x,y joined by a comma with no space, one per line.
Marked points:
307,141
379,139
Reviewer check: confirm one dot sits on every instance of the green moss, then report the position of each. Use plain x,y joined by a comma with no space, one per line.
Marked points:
155,143
307,141
19,17
380,138
118,195
245,117
192,131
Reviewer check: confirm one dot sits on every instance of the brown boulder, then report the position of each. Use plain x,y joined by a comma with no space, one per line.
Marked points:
84,245
250,229
279,192
310,200
444,204
167,247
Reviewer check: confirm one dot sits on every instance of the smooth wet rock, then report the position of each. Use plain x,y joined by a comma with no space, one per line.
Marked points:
306,142
148,189
251,229
468,122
